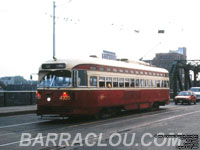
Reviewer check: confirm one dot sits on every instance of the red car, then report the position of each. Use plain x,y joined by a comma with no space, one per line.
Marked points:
185,97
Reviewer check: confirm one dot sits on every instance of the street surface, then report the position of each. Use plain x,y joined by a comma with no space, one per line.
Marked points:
110,133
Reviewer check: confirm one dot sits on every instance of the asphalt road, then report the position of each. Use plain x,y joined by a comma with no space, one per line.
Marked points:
131,130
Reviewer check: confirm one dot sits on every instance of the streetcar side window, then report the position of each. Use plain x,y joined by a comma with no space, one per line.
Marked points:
146,83
167,83
158,83
115,82
108,82
101,81
162,83
142,82
137,82
93,81
132,82
154,83
82,78
121,82
126,82
150,83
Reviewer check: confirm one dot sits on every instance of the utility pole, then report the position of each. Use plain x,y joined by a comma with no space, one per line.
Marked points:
54,23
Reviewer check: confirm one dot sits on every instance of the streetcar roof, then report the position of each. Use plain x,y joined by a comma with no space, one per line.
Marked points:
71,63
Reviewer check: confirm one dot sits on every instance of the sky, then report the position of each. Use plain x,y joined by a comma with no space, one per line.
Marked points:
87,27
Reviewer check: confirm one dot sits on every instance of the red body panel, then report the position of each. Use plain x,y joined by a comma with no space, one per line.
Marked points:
90,102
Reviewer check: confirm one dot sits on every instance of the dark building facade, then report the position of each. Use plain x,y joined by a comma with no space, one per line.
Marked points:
165,60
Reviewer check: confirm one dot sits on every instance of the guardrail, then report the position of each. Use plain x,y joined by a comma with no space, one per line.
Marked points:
17,98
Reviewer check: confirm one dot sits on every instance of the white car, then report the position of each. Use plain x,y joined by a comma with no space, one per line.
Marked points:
196,91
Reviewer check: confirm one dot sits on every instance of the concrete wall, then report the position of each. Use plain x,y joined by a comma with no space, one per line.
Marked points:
17,98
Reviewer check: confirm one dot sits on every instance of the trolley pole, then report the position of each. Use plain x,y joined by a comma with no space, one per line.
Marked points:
54,23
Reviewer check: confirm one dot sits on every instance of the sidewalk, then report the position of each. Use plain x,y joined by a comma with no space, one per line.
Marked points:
17,110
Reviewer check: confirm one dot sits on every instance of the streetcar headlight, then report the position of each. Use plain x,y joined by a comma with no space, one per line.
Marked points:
48,99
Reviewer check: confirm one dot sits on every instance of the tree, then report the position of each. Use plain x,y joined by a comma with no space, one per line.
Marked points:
2,85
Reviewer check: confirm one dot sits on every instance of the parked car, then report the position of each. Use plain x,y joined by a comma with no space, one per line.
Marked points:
185,97
196,91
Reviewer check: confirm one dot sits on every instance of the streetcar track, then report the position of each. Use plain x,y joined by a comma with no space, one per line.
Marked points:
112,119
127,117
21,124
106,136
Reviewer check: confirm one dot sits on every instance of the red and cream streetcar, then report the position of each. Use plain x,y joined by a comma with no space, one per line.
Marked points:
93,86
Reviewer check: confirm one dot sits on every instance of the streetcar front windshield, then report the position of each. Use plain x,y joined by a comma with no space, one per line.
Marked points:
57,79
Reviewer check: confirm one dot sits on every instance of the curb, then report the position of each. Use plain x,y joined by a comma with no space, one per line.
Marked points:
17,113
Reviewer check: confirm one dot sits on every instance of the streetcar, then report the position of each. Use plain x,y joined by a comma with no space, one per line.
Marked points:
93,86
